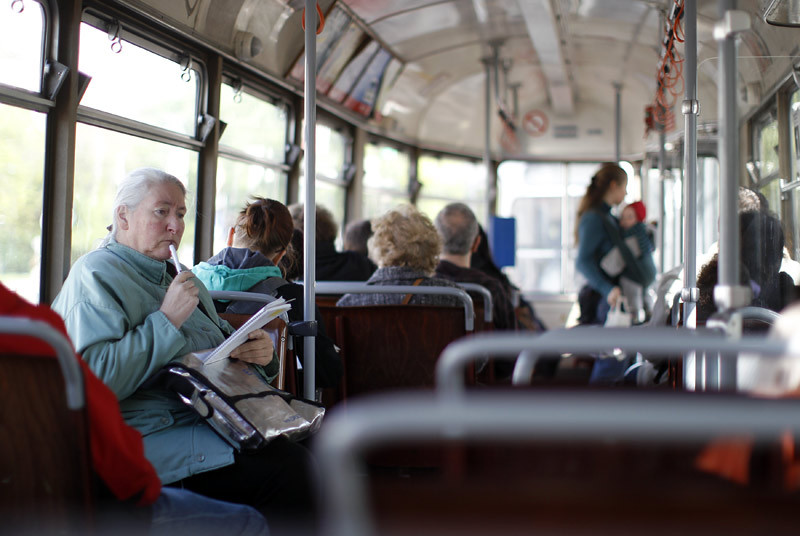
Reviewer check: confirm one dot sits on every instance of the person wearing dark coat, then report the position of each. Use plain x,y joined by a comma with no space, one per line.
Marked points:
458,227
333,265
260,241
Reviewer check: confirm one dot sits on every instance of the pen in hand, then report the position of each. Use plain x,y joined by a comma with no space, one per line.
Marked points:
174,253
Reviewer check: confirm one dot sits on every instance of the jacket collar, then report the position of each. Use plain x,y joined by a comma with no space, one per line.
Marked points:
394,273
151,269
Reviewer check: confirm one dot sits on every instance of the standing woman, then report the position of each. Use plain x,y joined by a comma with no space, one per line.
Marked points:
260,239
607,189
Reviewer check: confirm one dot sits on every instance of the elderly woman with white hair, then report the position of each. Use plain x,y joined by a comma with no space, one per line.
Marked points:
406,247
129,313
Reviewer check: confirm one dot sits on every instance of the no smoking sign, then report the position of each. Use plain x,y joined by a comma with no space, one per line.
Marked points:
535,123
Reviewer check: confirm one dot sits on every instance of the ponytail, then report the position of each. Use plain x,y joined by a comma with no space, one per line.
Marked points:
264,225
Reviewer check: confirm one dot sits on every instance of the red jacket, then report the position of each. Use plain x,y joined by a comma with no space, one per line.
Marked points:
117,449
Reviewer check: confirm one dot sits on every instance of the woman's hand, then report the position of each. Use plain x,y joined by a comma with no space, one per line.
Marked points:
181,299
258,350
614,296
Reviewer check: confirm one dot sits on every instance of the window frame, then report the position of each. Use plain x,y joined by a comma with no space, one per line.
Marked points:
248,86
25,98
167,49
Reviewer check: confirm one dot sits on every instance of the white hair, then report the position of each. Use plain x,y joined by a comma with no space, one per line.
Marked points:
133,189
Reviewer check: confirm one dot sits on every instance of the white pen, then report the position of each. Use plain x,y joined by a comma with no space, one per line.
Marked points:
174,253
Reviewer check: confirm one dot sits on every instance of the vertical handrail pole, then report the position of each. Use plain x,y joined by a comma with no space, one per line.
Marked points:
310,212
490,65
690,110
617,122
662,175
487,134
729,293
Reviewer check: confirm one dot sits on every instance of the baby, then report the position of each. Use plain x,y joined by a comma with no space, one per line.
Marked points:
613,262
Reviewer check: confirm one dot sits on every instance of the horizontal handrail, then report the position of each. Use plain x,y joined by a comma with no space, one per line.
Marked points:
528,347
485,295
530,416
759,313
238,295
70,369
241,296
349,287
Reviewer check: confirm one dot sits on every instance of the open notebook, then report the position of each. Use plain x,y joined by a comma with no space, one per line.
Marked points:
257,321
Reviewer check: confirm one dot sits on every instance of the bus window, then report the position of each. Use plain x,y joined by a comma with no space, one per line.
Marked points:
766,156
102,159
330,164
707,203
544,198
386,176
21,48
21,165
255,125
22,131
137,84
795,177
450,179
251,155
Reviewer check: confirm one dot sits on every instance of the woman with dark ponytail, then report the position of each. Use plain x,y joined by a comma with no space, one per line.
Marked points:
597,233
608,188
257,243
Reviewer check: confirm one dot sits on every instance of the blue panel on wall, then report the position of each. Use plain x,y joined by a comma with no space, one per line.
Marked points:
502,240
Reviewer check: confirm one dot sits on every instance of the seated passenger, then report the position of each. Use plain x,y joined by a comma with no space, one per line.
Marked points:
356,236
129,313
261,239
458,229
406,247
760,268
117,455
483,261
333,265
762,246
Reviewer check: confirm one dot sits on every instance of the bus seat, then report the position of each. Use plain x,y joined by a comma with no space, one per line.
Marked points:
387,347
554,463
46,482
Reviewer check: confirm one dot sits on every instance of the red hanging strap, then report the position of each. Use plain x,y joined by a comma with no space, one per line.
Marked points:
320,26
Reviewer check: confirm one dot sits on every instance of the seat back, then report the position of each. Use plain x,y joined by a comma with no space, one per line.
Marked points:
386,347
559,463
277,328
46,482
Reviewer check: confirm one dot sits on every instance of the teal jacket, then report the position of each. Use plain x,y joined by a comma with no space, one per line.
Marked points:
110,303
593,244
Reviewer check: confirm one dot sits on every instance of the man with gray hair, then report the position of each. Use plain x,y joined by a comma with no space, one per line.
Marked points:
458,227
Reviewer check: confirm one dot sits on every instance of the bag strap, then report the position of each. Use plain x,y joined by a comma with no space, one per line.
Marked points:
271,284
407,297
613,232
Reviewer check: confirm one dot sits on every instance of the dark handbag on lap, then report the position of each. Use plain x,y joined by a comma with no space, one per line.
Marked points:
238,403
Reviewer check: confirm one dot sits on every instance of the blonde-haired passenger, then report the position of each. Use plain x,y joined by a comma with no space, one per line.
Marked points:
406,248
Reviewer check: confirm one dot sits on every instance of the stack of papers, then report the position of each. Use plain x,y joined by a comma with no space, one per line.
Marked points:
257,321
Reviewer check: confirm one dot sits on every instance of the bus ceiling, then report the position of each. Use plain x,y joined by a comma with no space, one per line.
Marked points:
416,70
